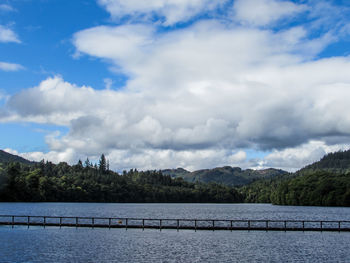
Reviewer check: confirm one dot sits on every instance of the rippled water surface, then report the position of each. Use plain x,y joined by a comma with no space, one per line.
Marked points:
52,244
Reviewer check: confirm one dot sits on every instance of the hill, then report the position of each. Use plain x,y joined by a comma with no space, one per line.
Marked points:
326,182
337,162
323,183
48,182
176,173
6,157
233,176
320,188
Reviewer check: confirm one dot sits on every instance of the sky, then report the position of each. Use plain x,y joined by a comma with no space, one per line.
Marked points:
158,84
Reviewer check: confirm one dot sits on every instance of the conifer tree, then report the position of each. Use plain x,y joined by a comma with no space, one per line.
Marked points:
102,165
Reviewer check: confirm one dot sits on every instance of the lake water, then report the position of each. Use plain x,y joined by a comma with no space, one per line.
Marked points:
52,244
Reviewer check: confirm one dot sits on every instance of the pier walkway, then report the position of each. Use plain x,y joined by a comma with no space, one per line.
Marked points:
177,224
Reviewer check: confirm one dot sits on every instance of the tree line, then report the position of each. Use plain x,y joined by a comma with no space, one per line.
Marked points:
88,182
317,188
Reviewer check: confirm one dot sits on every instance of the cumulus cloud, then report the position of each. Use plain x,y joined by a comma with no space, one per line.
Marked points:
5,66
198,95
7,35
162,159
265,12
136,130
168,11
292,159
143,159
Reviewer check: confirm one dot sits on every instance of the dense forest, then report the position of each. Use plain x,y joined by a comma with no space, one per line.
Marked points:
46,182
324,183
319,188
337,163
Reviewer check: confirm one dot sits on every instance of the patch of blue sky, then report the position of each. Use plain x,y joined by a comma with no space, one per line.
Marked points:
46,45
2,99
255,154
27,137
336,49
222,12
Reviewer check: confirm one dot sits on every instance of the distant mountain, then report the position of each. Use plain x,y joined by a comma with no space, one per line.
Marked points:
175,173
6,157
337,162
233,176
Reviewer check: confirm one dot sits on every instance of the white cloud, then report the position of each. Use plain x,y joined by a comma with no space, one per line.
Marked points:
265,12
108,83
170,11
197,95
289,159
6,8
7,35
162,159
177,129
292,159
5,66
145,159
66,156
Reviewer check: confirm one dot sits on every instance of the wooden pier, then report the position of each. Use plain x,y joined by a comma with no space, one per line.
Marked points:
177,224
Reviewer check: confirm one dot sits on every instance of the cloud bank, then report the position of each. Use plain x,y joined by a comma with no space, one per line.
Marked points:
199,96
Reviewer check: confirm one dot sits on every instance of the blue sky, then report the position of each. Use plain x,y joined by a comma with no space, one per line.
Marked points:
162,84
46,50
45,29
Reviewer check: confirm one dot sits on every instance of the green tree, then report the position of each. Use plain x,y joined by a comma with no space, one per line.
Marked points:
102,164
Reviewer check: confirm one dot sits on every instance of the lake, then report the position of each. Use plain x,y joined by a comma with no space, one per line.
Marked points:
51,244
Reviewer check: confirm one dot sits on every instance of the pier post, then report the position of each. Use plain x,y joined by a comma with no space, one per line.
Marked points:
178,224
321,225
28,221
160,224
231,225
60,222
248,224
285,226
93,222
143,224
44,221
213,225
109,223
126,224
267,225
13,221
76,222
303,226
339,226
195,225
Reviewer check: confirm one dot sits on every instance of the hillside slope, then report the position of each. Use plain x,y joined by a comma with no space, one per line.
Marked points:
337,162
233,176
323,183
6,157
